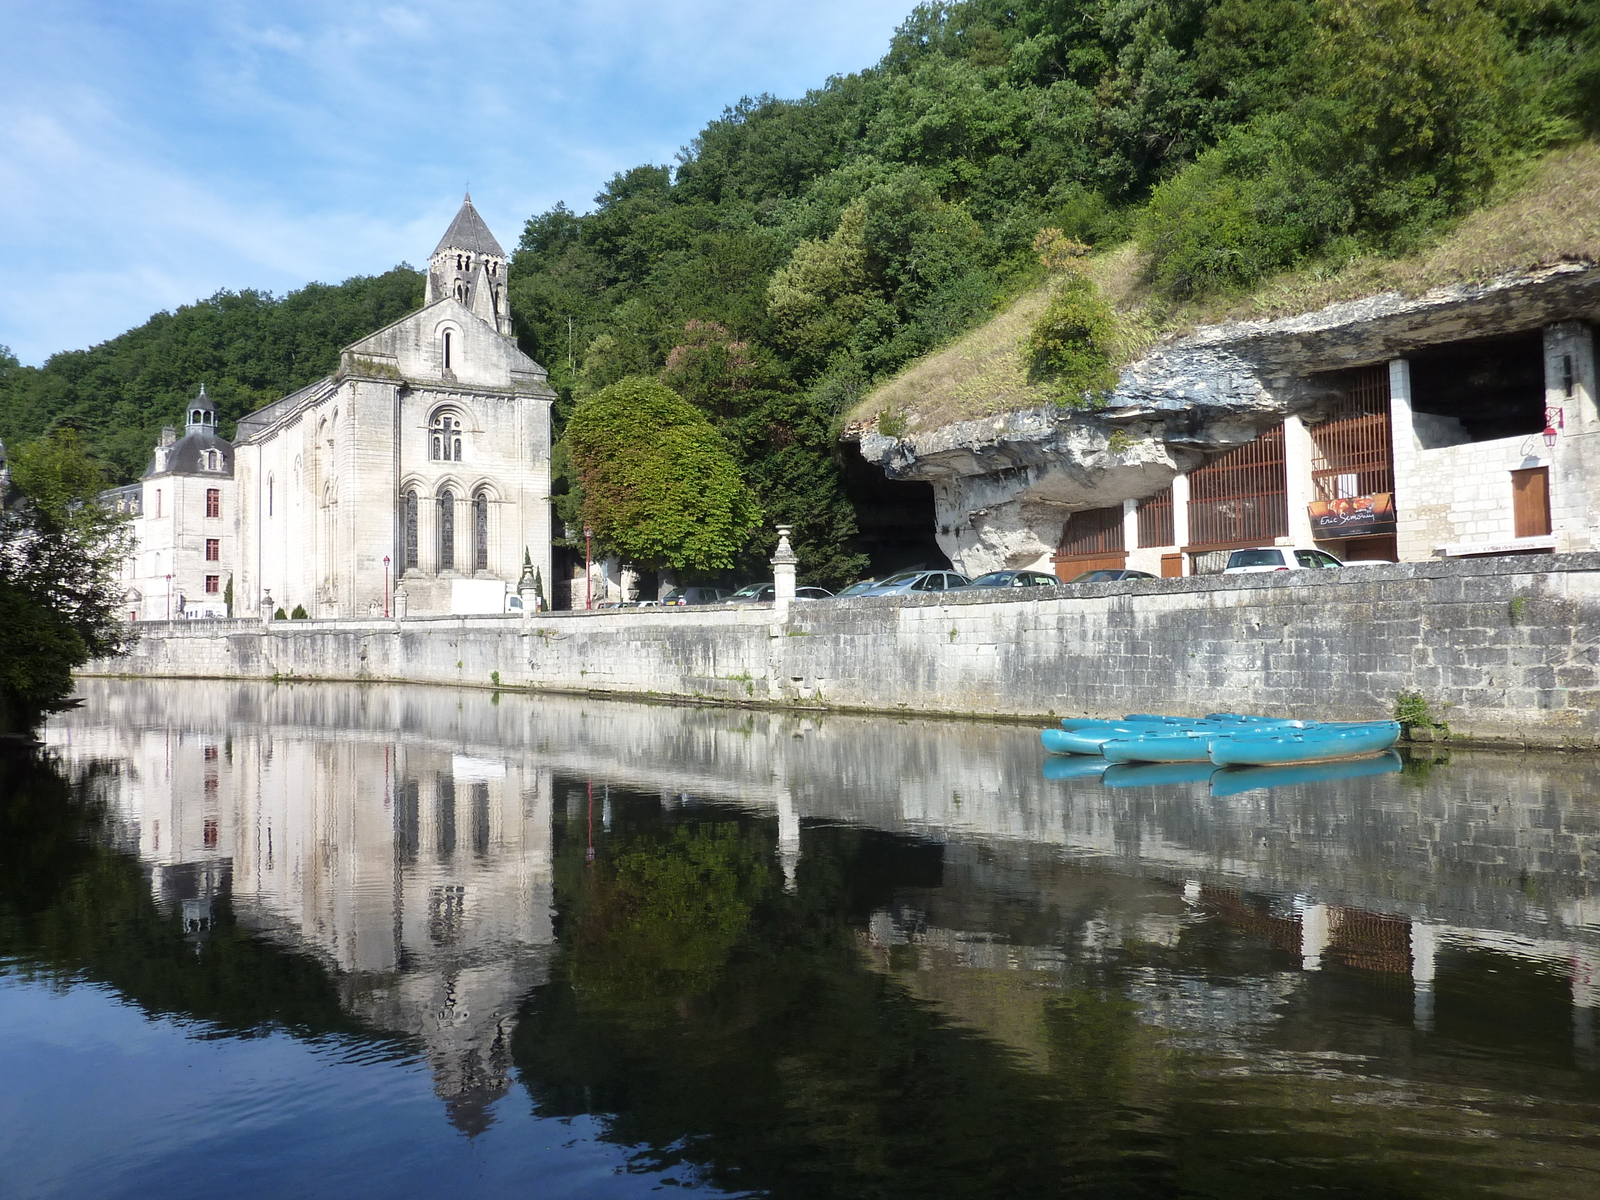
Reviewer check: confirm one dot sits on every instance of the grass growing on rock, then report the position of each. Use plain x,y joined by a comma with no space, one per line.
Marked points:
1550,215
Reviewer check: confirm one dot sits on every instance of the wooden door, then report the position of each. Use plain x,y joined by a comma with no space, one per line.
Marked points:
1530,502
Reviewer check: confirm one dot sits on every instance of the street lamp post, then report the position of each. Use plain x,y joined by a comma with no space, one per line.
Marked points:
386,587
169,597
588,569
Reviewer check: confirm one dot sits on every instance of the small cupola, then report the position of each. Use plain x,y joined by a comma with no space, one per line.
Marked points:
202,414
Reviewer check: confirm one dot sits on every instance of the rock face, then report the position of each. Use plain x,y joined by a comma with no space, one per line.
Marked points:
1003,485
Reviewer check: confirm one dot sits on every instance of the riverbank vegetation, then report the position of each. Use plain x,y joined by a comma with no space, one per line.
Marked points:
60,604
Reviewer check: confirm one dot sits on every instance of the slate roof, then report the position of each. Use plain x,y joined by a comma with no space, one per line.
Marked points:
468,232
184,456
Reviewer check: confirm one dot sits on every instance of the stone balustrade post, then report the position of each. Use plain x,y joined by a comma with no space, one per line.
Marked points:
783,570
400,598
267,607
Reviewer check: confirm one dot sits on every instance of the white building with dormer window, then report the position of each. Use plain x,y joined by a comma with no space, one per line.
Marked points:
184,523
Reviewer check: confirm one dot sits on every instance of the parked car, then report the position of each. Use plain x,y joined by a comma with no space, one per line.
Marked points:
695,595
1015,579
915,582
1258,560
755,593
1110,575
859,588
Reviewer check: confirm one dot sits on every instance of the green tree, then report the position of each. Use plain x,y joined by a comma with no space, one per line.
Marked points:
782,438
59,555
660,485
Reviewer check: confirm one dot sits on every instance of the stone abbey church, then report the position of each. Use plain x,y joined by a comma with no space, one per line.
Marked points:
418,474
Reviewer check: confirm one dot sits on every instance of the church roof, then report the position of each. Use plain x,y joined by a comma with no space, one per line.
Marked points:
186,456
468,232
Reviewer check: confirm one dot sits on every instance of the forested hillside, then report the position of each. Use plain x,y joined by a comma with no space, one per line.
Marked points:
800,251
246,347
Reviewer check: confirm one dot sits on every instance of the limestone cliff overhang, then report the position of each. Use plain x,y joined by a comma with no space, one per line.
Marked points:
1221,385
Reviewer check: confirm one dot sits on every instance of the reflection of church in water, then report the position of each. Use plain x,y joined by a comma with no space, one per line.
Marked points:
418,870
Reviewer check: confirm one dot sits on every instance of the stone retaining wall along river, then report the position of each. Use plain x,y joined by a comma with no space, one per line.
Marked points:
1503,649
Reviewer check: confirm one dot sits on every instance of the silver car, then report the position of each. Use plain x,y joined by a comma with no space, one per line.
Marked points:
914,583
1015,579
765,593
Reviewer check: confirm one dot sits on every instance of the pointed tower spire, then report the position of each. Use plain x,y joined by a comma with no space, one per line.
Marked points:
469,265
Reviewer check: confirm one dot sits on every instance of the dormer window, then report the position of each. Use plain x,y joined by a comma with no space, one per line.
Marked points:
445,438
213,460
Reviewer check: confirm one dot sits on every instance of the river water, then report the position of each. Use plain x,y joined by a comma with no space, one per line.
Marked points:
341,941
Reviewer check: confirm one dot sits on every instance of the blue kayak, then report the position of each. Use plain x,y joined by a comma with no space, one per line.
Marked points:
1134,719
1121,775
1193,743
1230,781
1178,746
1318,743
1088,738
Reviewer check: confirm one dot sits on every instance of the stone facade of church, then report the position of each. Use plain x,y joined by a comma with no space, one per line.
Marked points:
416,477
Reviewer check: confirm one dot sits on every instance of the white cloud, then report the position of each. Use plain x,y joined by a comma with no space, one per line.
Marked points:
153,153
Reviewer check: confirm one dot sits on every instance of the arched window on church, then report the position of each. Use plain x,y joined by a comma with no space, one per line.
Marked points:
408,559
480,532
446,354
458,262
447,531
445,437
270,481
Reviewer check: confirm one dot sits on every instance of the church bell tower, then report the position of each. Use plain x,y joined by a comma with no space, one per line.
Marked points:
469,265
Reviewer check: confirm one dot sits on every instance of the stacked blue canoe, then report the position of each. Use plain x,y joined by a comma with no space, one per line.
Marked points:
1222,739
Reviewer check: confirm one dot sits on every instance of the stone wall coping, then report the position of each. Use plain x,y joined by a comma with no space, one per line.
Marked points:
764,613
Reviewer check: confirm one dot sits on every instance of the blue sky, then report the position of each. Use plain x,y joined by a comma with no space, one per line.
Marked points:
154,151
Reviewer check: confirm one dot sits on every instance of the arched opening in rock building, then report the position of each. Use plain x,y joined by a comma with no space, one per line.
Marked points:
896,517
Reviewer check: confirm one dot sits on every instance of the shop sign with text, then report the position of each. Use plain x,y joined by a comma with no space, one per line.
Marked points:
1352,516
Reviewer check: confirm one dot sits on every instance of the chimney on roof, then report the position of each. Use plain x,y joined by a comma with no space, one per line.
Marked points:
169,434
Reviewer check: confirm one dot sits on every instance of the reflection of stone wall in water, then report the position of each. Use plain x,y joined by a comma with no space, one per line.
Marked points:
1380,875
420,874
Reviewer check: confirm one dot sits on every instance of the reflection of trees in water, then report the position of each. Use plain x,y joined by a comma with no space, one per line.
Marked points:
727,1027
763,1041
656,922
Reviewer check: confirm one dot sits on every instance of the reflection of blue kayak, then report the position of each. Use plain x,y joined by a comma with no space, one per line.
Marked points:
1320,743
1229,781
1078,766
1122,775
